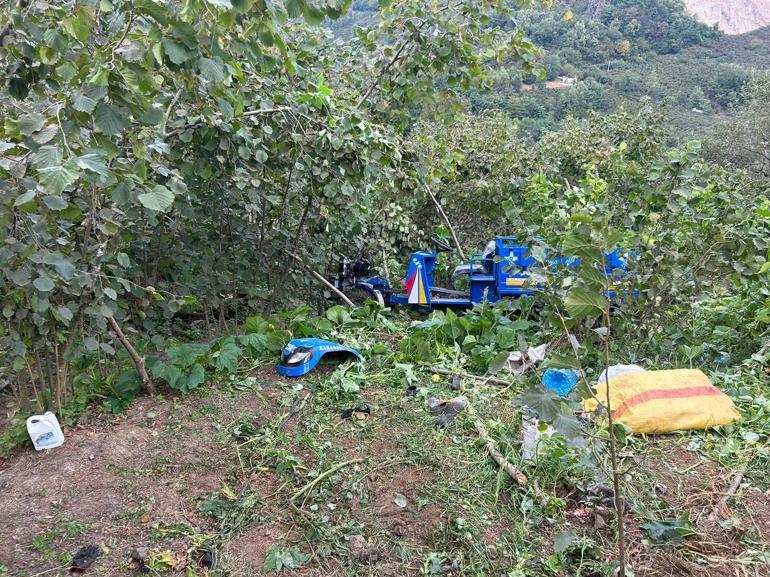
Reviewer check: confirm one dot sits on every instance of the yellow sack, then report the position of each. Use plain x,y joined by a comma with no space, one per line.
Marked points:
665,401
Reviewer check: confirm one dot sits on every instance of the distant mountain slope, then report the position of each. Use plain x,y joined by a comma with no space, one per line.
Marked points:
732,16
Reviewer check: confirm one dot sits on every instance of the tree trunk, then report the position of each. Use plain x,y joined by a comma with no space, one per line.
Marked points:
147,383
619,501
287,268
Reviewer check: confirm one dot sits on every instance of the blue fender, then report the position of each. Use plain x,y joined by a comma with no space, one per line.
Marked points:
300,356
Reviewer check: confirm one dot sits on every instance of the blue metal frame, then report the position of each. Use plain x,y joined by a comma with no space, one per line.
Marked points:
504,276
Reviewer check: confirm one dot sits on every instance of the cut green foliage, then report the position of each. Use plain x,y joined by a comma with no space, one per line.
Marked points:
279,559
669,532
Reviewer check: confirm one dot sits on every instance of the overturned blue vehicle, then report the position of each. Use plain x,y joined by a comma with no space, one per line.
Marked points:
503,270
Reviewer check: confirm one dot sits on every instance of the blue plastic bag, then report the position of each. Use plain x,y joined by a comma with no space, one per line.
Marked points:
561,381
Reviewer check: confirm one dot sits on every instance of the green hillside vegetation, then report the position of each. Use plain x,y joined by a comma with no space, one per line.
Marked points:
633,51
629,51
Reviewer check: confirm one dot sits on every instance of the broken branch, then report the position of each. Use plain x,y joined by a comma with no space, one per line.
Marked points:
323,476
469,376
446,220
489,443
722,504
320,278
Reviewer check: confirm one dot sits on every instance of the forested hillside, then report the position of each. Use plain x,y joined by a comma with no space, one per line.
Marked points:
599,56
187,189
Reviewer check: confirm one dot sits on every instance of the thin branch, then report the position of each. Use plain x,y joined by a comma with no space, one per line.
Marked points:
323,476
494,380
123,37
446,220
619,503
169,108
722,504
261,111
386,68
297,233
321,278
61,128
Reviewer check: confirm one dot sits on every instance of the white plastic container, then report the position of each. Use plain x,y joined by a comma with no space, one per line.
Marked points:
45,431
531,435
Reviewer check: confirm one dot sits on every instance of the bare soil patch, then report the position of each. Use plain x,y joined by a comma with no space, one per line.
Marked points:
117,480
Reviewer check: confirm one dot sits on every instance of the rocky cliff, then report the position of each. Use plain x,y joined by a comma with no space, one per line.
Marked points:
732,16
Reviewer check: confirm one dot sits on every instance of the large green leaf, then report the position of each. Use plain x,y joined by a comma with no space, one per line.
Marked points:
30,123
109,119
581,245
152,116
92,162
64,268
128,383
153,9
294,8
593,277
56,178
506,338
176,52
187,354
79,24
497,362
82,102
45,134
171,374
566,423
21,277
159,198
123,260
227,357
43,283
46,157
212,70
582,302
546,404
255,324
313,15
562,361
55,202
338,314
563,540
256,342
195,377
670,532
25,198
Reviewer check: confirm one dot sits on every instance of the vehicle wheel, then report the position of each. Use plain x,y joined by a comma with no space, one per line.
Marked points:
359,295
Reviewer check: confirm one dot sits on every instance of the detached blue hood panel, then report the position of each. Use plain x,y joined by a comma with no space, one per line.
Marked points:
300,356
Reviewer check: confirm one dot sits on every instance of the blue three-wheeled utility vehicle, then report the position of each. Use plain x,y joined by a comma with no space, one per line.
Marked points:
502,270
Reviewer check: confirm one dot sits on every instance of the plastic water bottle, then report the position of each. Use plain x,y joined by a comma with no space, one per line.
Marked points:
45,431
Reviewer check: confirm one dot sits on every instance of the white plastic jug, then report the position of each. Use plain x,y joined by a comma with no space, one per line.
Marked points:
45,431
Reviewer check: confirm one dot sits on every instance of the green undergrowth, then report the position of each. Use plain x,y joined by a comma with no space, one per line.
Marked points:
295,464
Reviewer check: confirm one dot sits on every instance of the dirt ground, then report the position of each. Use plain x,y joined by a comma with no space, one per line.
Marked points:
119,482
